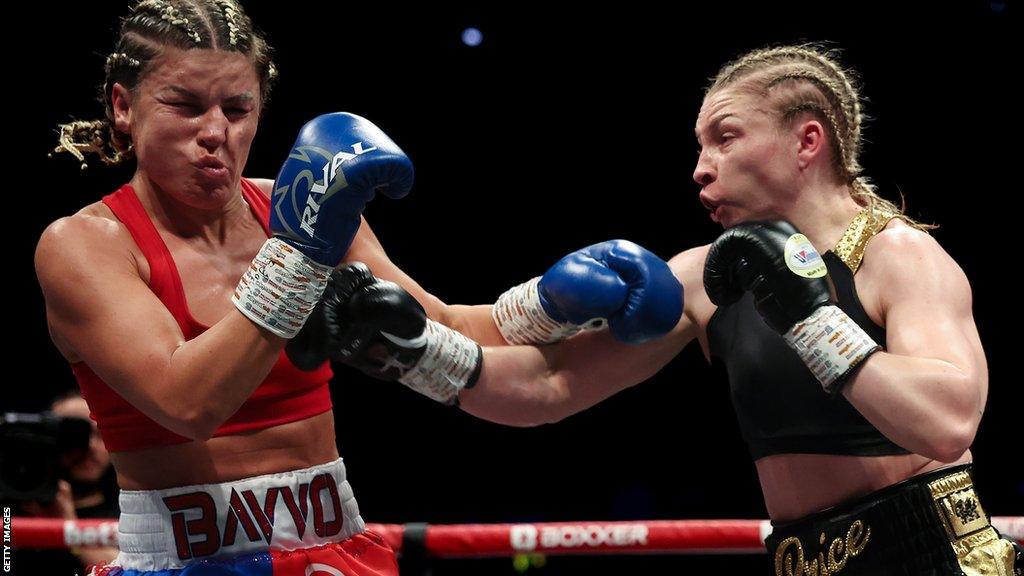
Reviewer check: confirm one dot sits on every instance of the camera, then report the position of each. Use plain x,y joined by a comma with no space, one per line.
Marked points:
31,448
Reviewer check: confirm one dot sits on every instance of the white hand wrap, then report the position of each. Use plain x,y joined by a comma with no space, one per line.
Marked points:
280,288
521,319
450,363
831,344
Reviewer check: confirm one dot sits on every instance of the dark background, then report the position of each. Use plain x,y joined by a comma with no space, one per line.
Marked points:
563,129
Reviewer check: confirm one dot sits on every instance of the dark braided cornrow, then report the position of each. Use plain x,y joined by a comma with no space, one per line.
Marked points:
151,26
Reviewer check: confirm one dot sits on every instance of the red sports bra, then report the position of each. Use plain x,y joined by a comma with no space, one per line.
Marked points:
286,395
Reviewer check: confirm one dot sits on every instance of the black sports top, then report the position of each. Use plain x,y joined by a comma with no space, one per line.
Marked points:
780,405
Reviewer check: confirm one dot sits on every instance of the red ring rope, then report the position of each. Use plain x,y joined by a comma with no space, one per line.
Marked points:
496,540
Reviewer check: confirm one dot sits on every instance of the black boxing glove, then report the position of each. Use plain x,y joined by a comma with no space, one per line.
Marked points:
309,348
376,326
791,289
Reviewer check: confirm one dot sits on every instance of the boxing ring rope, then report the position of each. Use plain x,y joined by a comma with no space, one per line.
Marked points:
499,540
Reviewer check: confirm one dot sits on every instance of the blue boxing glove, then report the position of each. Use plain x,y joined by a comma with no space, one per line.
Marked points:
339,161
618,281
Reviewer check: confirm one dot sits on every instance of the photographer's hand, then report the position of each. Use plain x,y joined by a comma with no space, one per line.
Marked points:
63,505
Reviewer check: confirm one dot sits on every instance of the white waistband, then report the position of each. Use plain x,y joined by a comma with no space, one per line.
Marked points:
162,529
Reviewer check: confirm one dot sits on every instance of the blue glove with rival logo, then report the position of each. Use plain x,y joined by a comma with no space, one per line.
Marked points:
339,161
616,281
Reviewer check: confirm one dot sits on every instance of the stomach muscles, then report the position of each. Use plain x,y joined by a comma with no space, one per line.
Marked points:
281,448
795,485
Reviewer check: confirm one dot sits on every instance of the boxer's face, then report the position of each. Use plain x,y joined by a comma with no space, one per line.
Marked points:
192,120
743,167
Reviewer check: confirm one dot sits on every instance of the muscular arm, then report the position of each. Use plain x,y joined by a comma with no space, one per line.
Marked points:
530,385
927,391
100,310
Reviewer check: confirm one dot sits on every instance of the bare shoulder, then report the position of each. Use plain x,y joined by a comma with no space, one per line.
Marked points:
90,237
78,260
688,265
903,250
904,262
93,226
